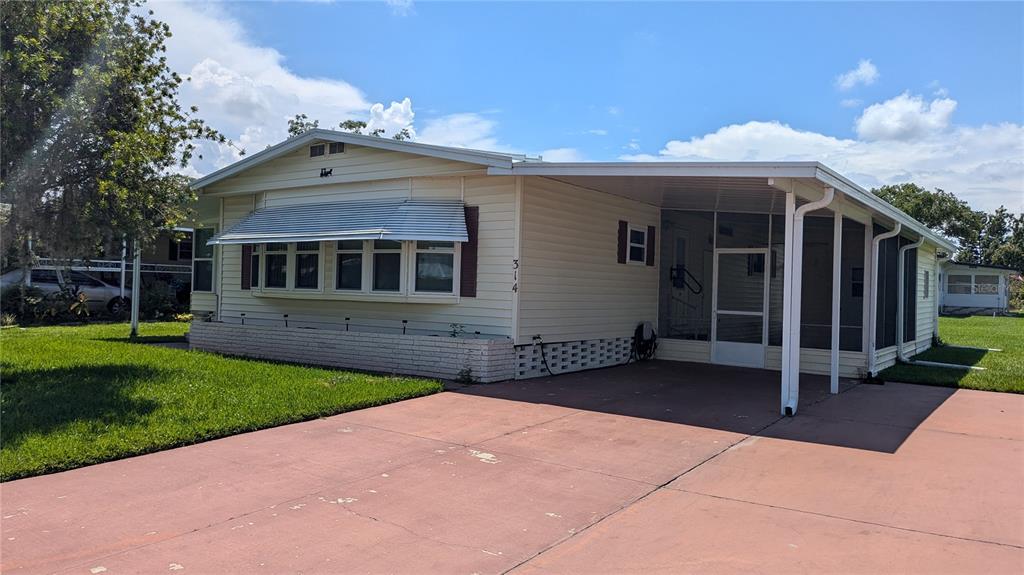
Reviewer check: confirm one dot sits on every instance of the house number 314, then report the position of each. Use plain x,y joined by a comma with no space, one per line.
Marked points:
515,275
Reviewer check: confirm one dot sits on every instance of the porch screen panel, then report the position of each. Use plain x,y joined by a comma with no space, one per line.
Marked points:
816,280
742,230
851,303
776,281
910,296
687,252
888,290
740,298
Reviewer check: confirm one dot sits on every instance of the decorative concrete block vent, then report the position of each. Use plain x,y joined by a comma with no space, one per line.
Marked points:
483,360
565,357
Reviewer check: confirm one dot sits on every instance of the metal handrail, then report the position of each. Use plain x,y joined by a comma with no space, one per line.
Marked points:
109,266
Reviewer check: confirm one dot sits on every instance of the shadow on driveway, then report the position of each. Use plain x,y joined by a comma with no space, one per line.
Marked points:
735,399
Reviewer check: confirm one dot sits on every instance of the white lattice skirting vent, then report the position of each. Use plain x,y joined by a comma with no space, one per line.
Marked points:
569,356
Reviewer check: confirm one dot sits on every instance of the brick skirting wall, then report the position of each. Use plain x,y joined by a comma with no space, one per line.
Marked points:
433,356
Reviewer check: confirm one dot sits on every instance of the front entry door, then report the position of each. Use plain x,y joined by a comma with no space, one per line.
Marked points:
739,329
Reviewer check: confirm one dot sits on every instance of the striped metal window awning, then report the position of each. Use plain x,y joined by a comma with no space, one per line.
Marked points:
435,220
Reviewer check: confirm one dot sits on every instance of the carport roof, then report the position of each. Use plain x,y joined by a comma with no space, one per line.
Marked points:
737,171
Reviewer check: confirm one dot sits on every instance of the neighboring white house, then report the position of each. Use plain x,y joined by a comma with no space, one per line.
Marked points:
975,288
370,253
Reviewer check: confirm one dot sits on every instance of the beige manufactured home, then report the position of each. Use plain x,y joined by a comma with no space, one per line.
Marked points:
363,252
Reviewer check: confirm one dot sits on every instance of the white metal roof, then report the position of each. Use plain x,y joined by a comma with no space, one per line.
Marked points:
480,157
435,220
697,171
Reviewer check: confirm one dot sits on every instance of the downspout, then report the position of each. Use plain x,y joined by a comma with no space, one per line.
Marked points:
873,302
791,392
901,305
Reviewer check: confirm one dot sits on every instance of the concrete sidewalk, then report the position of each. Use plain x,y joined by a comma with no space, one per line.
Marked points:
624,470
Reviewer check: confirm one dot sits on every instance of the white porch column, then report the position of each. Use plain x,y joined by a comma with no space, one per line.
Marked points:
792,298
136,287
837,275
787,302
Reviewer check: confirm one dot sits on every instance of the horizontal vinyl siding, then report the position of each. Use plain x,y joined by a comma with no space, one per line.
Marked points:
819,361
684,350
357,164
572,286
925,306
489,313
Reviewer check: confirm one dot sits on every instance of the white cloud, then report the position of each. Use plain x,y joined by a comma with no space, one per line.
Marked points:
865,73
401,7
393,119
905,117
463,130
633,144
244,90
982,165
850,103
614,110
562,155
598,132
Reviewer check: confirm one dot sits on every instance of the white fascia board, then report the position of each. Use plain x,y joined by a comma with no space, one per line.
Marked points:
831,178
489,159
663,169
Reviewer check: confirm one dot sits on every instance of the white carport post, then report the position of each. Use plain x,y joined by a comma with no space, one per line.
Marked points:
873,296
791,296
837,276
136,280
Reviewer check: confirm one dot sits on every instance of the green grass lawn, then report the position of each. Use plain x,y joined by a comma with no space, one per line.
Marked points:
1004,370
73,396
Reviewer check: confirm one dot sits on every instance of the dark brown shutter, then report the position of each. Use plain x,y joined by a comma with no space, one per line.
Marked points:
623,240
467,280
172,249
650,245
246,266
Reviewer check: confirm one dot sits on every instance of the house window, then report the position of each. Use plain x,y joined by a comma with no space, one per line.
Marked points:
276,265
307,265
202,261
185,249
637,245
927,284
958,284
435,267
387,265
317,150
254,273
348,268
986,285
336,148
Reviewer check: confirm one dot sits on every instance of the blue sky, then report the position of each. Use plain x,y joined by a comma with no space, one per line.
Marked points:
935,92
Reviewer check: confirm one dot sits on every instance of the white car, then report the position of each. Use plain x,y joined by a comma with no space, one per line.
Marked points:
100,294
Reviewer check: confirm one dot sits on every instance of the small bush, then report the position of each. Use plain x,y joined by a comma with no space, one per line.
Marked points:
157,301
27,303
8,319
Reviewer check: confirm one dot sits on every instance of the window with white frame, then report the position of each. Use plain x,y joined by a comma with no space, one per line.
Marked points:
958,284
348,265
386,266
202,261
360,267
434,267
275,265
986,285
307,265
637,245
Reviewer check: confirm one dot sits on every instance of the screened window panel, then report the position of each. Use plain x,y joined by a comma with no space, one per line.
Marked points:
277,270
387,271
435,272
307,271
349,271
202,275
986,285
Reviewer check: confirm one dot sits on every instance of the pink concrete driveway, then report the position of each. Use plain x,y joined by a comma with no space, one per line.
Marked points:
652,468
